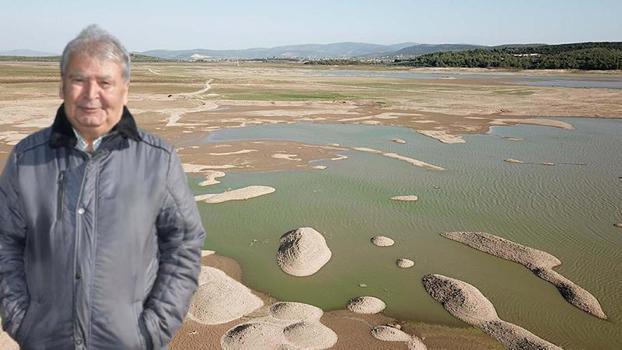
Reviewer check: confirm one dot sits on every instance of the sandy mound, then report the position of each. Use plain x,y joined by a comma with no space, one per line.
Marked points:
619,224
366,305
416,344
467,303
319,167
409,198
302,252
404,263
220,298
442,136
210,177
400,141
511,160
387,333
289,325
539,262
312,335
254,335
382,241
292,311
235,195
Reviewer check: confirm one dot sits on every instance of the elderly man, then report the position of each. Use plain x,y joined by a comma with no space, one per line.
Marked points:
100,237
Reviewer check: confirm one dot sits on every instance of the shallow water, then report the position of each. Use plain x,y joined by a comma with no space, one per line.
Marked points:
567,210
567,81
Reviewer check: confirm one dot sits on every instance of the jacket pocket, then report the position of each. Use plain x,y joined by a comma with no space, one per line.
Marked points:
25,327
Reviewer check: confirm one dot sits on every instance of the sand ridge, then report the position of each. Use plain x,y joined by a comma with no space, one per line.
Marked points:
243,193
539,262
468,304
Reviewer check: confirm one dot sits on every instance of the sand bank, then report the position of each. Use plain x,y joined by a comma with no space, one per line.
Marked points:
409,160
235,195
210,177
442,136
539,262
533,121
302,252
286,156
407,198
382,241
468,304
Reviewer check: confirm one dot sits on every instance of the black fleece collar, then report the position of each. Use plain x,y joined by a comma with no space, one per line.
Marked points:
63,136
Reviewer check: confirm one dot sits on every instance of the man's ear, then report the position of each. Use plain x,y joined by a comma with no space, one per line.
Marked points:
127,90
60,90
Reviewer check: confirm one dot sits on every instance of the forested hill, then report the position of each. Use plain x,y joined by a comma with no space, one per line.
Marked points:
585,56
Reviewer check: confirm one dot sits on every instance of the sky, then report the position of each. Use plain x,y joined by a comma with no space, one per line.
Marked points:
238,24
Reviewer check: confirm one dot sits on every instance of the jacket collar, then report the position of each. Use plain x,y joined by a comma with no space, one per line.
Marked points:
62,134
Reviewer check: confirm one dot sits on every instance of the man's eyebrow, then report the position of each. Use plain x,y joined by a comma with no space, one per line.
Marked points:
82,75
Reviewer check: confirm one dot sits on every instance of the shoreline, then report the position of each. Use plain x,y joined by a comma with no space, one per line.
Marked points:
353,330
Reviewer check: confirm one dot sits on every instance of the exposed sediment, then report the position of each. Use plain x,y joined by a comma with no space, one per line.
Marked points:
302,252
387,333
235,195
404,263
539,262
382,241
366,305
468,304
289,325
405,198
220,299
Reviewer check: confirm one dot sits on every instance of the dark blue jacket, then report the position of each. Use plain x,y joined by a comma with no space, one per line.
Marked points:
97,251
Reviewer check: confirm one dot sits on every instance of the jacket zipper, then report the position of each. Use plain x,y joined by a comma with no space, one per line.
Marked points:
61,194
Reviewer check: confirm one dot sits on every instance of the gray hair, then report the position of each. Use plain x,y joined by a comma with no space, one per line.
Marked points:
97,43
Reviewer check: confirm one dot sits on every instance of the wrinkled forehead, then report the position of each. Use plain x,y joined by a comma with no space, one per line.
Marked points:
85,64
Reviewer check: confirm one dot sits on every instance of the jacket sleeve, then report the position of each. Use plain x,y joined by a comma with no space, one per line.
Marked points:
14,297
180,240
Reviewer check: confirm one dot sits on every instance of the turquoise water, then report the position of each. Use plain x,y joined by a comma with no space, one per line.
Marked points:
567,210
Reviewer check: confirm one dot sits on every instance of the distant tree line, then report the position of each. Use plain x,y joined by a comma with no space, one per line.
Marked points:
584,56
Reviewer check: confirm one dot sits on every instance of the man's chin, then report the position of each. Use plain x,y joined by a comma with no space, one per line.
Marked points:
92,120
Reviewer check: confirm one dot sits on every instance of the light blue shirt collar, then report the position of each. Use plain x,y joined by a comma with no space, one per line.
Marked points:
82,145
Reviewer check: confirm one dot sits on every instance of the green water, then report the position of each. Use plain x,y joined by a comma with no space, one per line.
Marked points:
566,209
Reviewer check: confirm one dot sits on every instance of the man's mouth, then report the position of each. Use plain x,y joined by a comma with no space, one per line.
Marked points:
89,109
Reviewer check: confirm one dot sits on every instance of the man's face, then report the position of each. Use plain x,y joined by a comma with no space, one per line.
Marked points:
94,93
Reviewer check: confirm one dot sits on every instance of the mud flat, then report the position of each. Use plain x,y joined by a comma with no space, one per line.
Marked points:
539,262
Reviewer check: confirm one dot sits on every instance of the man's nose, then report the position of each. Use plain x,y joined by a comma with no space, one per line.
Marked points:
91,90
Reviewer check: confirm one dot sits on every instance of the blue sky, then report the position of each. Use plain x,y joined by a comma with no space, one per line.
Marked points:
234,24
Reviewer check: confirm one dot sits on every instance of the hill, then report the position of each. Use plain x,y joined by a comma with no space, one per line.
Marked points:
583,56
